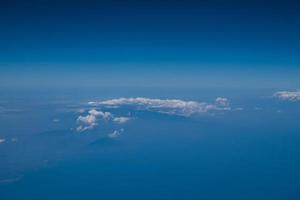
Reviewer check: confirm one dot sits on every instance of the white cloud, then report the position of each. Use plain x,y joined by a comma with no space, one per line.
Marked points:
2,140
116,133
168,106
121,120
104,115
288,95
89,121
222,102
95,112
82,128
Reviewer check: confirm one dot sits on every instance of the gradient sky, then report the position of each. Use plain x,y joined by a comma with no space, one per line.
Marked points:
155,43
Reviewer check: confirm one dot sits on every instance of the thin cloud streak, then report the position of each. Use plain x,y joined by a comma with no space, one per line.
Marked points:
168,106
288,95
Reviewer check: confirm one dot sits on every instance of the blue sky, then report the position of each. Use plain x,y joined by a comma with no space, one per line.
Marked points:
116,43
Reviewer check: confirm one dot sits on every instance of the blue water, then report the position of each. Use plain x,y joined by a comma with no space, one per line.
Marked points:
251,153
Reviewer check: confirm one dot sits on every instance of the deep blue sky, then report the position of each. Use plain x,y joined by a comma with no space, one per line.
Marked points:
150,43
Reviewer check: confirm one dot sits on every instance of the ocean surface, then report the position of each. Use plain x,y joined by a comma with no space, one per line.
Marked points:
250,151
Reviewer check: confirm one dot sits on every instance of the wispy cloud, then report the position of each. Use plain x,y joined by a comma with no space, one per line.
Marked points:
55,120
288,95
116,133
121,120
168,106
9,110
10,180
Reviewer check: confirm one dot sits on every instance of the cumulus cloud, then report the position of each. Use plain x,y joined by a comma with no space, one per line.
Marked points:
104,115
222,102
116,133
168,106
89,121
288,95
121,120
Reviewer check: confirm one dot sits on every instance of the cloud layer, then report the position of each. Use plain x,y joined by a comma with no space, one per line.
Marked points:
168,106
288,95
